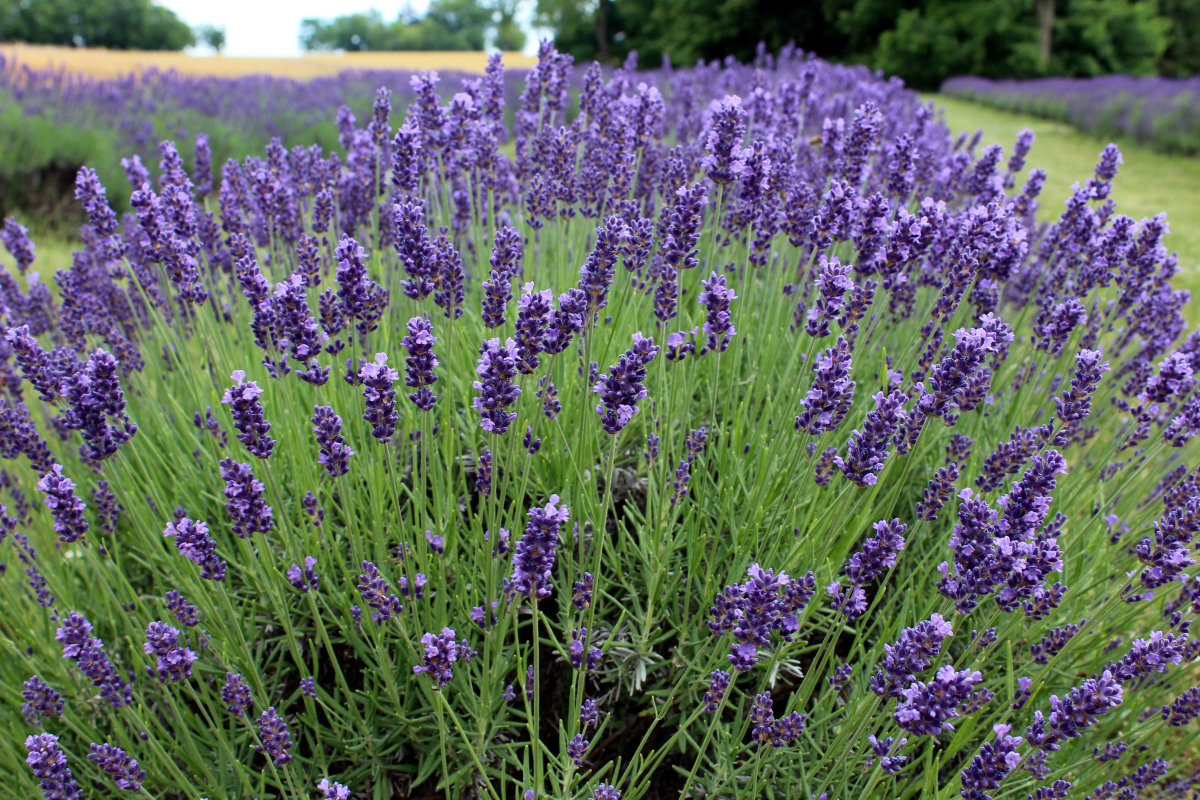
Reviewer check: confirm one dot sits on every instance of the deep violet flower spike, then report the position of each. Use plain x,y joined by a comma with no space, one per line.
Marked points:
304,578
378,382
236,695
496,369
441,651
49,766
534,552
716,298
120,766
376,592
622,387
40,700
420,362
196,545
334,453
724,154
925,708
332,790
66,509
78,644
248,512
248,416
276,741
828,400
174,663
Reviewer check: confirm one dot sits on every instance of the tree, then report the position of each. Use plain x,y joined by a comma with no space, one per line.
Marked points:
1182,56
115,24
446,25
212,36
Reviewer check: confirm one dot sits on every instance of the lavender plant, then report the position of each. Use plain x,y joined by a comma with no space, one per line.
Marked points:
907,507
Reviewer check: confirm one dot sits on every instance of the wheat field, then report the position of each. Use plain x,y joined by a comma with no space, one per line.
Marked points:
100,63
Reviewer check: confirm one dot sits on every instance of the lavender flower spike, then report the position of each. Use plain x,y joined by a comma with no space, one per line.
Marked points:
420,362
65,507
378,381
49,765
533,555
122,768
622,387
276,741
441,651
496,368
334,452
248,418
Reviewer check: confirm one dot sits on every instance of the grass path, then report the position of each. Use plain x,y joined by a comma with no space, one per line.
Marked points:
1147,183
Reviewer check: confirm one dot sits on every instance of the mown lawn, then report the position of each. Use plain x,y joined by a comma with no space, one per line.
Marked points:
1147,183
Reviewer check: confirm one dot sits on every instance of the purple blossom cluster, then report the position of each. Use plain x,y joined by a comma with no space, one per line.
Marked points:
767,602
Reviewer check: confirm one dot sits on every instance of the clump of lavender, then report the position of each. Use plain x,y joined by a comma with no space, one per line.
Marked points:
276,741
334,452
248,415
173,662
378,382
622,387
248,512
120,766
420,362
496,369
196,545
441,651
49,765
66,509
533,555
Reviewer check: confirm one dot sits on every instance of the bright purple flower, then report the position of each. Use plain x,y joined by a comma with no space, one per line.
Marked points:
415,250
49,766
878,552
868,448
248,417
65,507
828,401
361,298
441,651
596,274
886,750
718,684
93,395
681,232
716,299
276,741
308,687
496,368
235,694
196,545
174,663
925,708
16,240
122,768
378,382
331,790
1077,710
622,387
766,602
377,593
724,155
497,288
990,765
87,651
40,701
533,556
605,791
334,452
420,362
589,715
533,315
577,748
303,578
248,512
911,654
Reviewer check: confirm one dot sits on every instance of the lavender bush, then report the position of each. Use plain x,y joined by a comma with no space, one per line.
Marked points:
753,441
1162,113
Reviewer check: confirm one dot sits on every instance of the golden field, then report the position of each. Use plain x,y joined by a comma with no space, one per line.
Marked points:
99,63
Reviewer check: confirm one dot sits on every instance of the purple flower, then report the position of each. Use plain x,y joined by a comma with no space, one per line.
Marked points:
878,552
868,449
248,418
533,315
496,368
174,663
308,687
378,382
235,694
361,298
483,473
767,602
244,502
596,274
925,708
333,790
577,748
724,155
276,740
196,545
828,401
119,765
420,362
65,507
886,750
718,684
581,594
497,288
40,701
377,593
16,240
681,231
441,651
622,387
533,555
990,765
415,250
716,299
909,655
334,452
1077,710
605,791
49,766
589,715
87,651
303,578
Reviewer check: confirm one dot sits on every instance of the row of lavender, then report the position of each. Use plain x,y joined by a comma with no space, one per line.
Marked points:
1162,113
744,435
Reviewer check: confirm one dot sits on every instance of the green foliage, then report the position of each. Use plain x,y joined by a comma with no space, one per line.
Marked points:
447,25
212,36
115,24
1182,56
1101,37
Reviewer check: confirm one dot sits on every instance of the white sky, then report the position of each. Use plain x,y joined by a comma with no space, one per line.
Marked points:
272,27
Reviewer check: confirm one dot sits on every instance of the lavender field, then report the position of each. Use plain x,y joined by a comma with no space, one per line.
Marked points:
728,432
1161,113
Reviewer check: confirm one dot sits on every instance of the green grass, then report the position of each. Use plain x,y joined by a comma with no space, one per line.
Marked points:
1148,182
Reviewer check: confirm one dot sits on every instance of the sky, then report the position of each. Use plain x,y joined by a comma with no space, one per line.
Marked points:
272,27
